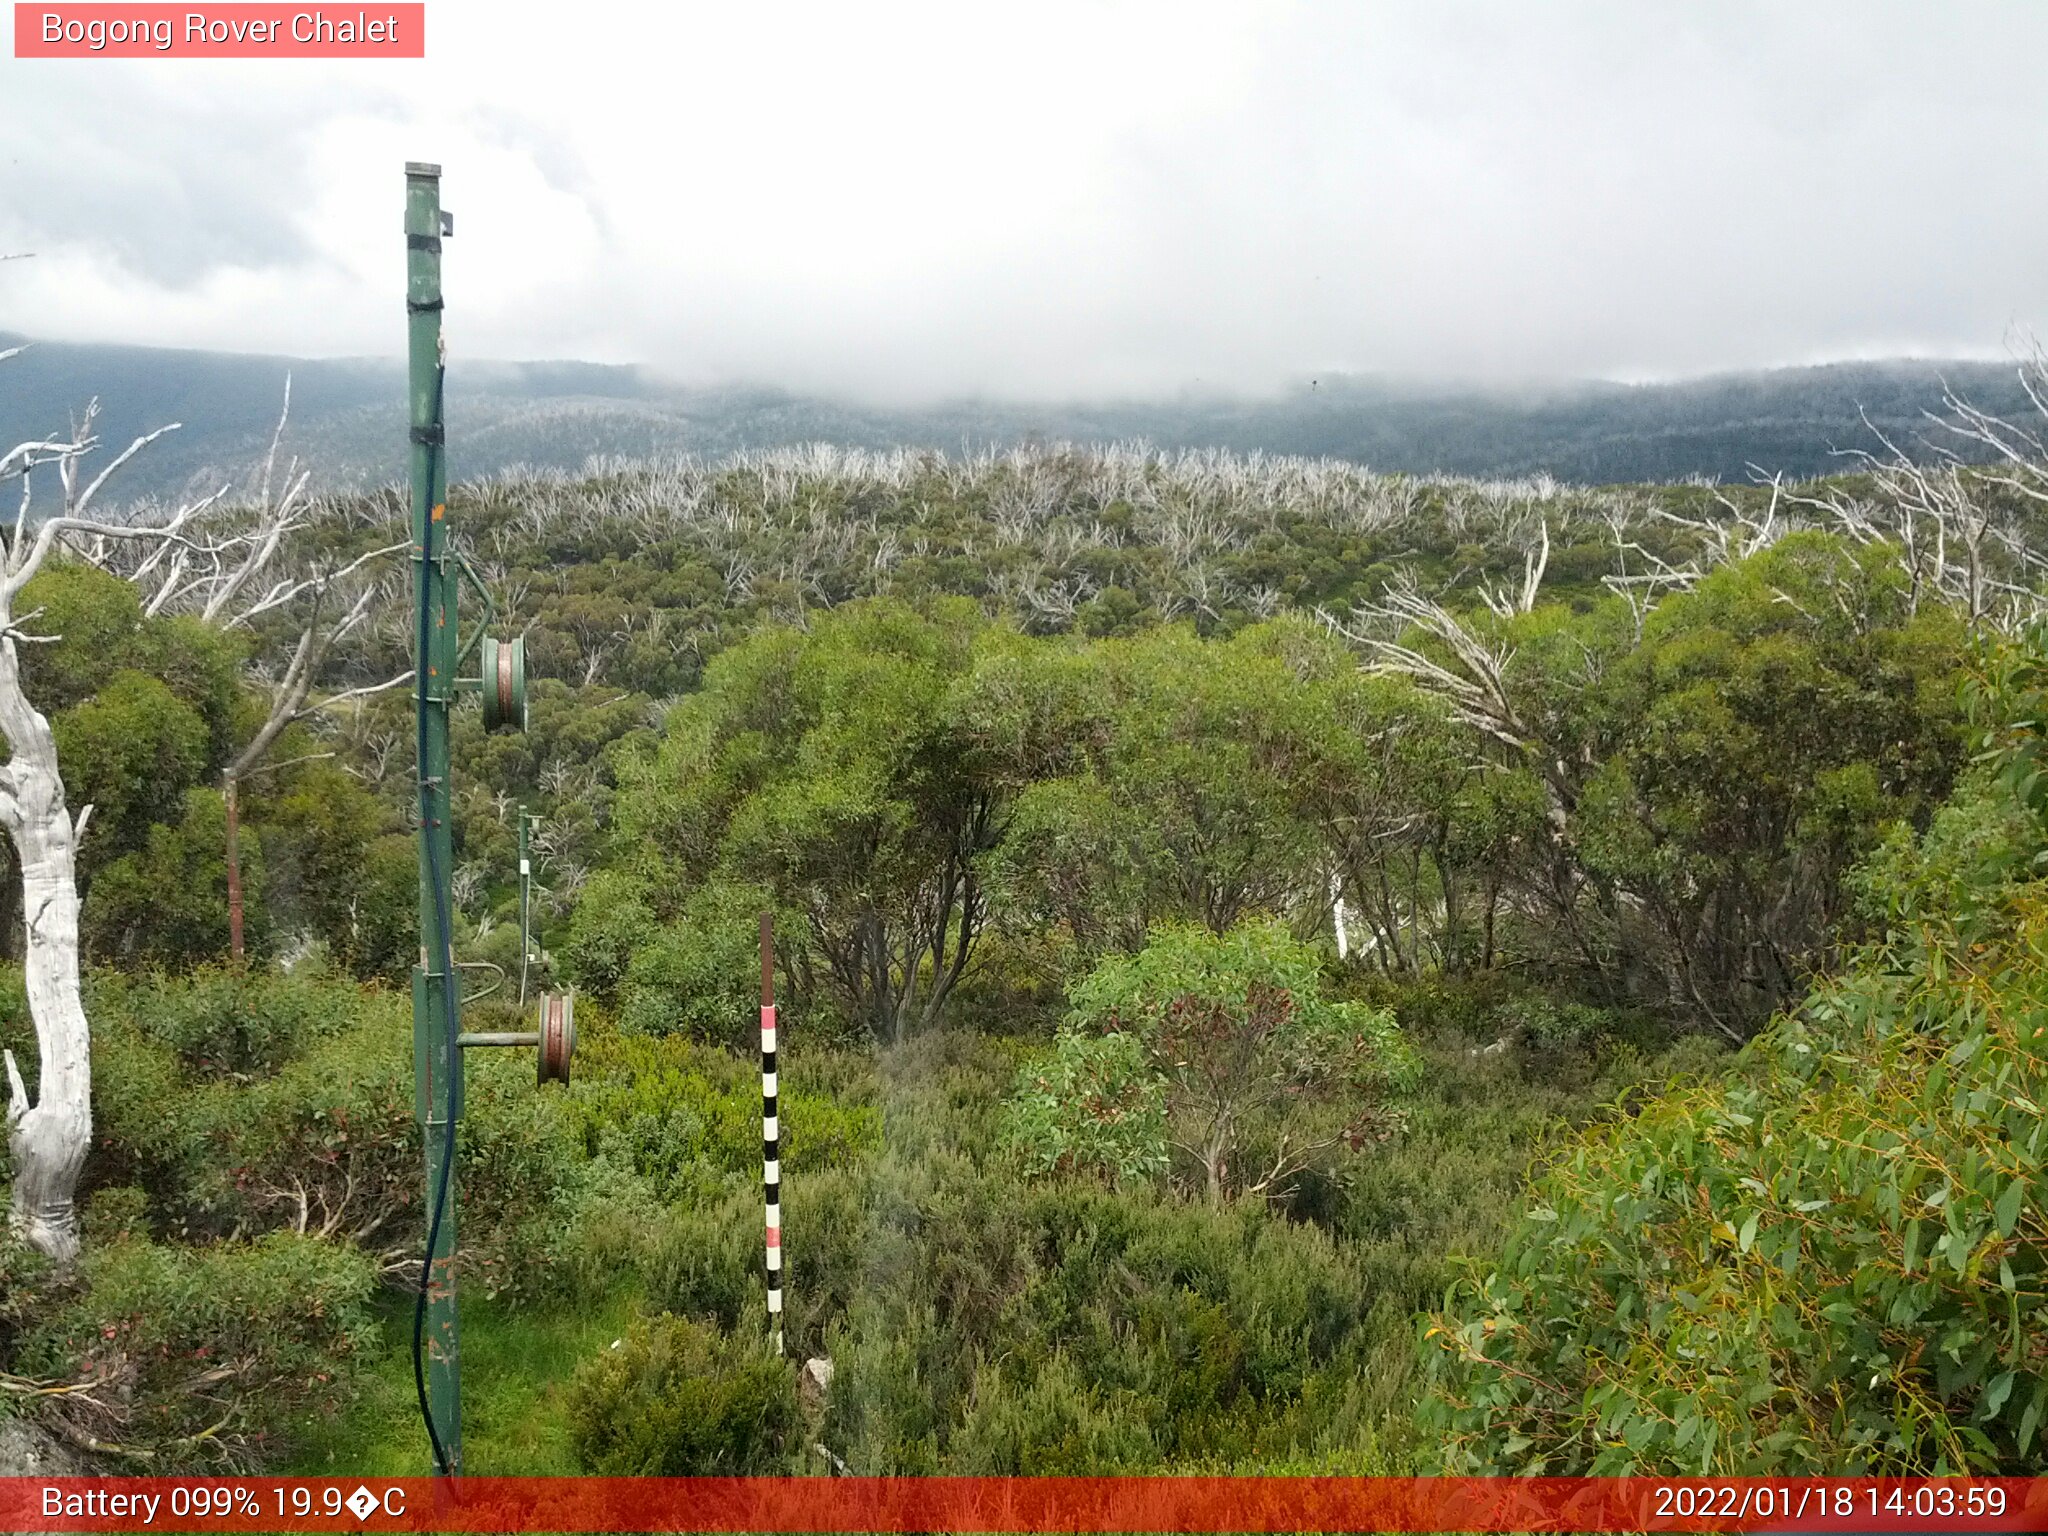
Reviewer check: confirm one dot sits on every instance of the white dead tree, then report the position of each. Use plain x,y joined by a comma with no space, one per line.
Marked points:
48,1135
1640,575
1535,561
1470,673
1961,518
1467,664
226,578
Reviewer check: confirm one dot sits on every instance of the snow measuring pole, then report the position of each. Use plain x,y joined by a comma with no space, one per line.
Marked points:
771,1129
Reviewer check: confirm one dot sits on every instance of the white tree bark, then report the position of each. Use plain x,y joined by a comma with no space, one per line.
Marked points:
217,578
49,1137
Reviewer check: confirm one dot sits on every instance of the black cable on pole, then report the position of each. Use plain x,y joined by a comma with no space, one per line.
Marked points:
437,878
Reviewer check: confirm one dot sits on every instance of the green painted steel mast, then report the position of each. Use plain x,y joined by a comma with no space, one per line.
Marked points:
437,1054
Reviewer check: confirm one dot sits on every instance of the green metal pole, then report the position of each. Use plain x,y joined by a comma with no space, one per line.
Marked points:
437,1058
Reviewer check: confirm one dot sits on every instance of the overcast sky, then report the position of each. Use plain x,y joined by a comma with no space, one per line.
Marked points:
1046,199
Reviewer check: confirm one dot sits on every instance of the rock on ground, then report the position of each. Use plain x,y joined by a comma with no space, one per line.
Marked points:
26,1451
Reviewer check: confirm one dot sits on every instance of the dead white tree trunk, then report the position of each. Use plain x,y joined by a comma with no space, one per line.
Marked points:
49,1137
50,1134
221,580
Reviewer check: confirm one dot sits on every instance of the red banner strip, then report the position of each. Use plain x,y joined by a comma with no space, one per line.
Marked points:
991,1504
377,30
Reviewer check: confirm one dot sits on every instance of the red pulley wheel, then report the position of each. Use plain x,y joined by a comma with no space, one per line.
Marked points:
503,684
557,1035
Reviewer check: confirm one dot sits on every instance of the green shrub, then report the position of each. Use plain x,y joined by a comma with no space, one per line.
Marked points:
329,1143
1961,871
1837,1260
590,1242
26,1279
678,1399
142,1125
705,1259
1057,1424
699,976
1547,1023
381,937
1094,1106
116,1214
315,822
166,903
1262,1076
610,925
826,1219
223,1021
241,1102
684,1115
1467,1006
130,750
1834,1263
204,1351
1186,1335
1013,987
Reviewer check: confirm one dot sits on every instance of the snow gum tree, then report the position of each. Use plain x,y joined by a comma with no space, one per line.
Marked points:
221,564
48,1136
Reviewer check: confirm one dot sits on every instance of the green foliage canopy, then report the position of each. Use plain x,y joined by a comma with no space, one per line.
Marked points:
1254,1070
1837,1260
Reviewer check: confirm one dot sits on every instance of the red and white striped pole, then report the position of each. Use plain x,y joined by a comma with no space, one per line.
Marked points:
771,1129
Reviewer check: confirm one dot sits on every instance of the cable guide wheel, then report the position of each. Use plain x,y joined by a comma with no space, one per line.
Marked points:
557,1035
504,683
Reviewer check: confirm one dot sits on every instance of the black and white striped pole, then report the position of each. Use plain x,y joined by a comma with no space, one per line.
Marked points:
771,1130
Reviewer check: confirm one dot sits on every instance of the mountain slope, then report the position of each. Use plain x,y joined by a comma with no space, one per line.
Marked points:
348,417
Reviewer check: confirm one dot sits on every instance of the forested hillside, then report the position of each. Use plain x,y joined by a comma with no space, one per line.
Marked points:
1210,889
557,415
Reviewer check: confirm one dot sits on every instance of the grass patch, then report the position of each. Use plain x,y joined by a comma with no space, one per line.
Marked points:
516,1365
